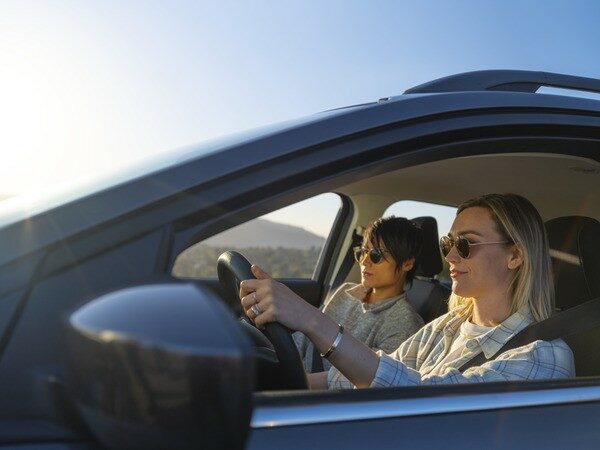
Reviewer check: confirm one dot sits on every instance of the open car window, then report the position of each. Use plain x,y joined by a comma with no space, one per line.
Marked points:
286,243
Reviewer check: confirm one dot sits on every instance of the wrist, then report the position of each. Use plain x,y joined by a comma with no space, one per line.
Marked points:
314,321
321,329
336,342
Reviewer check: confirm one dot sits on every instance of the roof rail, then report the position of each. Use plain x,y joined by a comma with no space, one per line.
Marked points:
505,80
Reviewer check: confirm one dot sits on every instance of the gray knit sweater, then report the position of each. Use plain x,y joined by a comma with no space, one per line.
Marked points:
383,325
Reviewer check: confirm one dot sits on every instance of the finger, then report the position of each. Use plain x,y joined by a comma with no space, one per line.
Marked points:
250,300
259,273
252,313
263,318
247,301
248,286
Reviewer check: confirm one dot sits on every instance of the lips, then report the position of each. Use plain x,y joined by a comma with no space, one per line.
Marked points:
456,273
366,274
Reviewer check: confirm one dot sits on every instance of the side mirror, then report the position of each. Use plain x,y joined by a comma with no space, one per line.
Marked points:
161,366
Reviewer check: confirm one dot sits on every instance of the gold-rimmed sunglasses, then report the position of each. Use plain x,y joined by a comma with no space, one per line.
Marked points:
462,244
375,254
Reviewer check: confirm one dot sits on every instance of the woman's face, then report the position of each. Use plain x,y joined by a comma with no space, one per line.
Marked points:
487,272
380,275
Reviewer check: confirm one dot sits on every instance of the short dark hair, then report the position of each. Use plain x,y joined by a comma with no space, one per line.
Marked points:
401,237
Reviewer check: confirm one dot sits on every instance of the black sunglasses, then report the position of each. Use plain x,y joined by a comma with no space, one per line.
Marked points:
463,246
375,254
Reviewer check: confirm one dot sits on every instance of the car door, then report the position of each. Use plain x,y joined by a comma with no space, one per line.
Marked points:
547,415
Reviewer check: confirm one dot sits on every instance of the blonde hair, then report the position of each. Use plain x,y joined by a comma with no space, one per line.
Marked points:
519,222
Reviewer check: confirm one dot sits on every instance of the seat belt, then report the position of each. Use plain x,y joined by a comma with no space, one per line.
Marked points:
579,319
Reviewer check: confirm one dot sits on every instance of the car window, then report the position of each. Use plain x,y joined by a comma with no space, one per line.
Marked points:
286,243
444,216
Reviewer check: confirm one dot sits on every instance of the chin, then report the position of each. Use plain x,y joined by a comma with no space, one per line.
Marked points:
460,289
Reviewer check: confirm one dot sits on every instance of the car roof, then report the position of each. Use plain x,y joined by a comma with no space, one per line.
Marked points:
159,178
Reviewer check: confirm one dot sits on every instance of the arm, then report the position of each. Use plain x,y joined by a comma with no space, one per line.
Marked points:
536,361
317,381
278,303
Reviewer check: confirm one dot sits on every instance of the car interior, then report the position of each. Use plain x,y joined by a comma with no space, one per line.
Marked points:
563,187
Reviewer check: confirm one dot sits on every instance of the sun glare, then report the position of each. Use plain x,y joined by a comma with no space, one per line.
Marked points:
56,103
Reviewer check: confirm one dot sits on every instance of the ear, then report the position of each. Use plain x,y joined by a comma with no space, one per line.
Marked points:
515,258
408,265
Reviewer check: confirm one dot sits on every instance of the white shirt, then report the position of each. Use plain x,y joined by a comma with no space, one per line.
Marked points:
458,348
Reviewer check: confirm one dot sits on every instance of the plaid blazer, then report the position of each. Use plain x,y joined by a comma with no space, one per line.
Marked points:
413,361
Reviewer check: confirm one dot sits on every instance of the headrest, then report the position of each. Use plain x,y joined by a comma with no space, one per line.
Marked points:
430,261
575,253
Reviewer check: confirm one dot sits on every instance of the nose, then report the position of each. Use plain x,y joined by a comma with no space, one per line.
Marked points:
452,255
365,260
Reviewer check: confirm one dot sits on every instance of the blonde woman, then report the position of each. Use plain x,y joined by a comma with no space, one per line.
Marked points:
501,282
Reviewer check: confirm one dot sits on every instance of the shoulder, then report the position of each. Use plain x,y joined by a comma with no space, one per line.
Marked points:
441,321
542,349
552,350
404,311
347,291
555,354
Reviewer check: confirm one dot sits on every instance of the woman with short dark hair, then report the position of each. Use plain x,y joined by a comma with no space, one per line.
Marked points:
376,311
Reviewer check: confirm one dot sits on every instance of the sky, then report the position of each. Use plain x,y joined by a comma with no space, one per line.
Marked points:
89,87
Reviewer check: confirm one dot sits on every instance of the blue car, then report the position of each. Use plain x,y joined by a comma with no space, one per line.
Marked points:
119,328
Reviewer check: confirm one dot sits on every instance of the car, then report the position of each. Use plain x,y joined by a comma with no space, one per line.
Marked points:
103,346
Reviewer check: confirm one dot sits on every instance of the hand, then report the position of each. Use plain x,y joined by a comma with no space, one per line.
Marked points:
274,301
277,303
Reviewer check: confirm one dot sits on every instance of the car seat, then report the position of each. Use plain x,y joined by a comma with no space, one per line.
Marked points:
574,250
427,295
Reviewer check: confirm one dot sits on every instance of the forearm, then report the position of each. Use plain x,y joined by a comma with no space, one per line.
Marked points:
277,303
353,358
317,380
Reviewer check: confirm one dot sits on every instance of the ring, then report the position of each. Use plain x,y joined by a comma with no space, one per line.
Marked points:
255,310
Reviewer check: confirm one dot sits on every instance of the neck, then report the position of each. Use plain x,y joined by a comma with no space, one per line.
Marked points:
384,293
490,312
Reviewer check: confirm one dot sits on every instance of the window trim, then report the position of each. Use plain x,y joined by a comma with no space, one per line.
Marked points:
334,245
328,251
281,414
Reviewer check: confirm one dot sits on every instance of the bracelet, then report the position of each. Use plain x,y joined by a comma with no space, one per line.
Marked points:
335,344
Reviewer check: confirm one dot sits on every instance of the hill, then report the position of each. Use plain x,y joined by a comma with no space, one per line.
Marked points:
282,250
264,233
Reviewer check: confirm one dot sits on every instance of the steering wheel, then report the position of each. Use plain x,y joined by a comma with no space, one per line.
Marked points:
232,268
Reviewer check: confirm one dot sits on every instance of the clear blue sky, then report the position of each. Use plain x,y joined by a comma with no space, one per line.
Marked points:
89,86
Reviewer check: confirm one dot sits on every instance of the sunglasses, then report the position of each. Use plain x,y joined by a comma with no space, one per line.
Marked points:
375,254
462,244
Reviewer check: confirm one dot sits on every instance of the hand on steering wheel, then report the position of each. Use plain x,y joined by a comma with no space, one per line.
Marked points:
232,268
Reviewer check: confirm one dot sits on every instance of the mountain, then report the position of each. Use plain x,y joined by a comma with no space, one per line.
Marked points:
264,233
